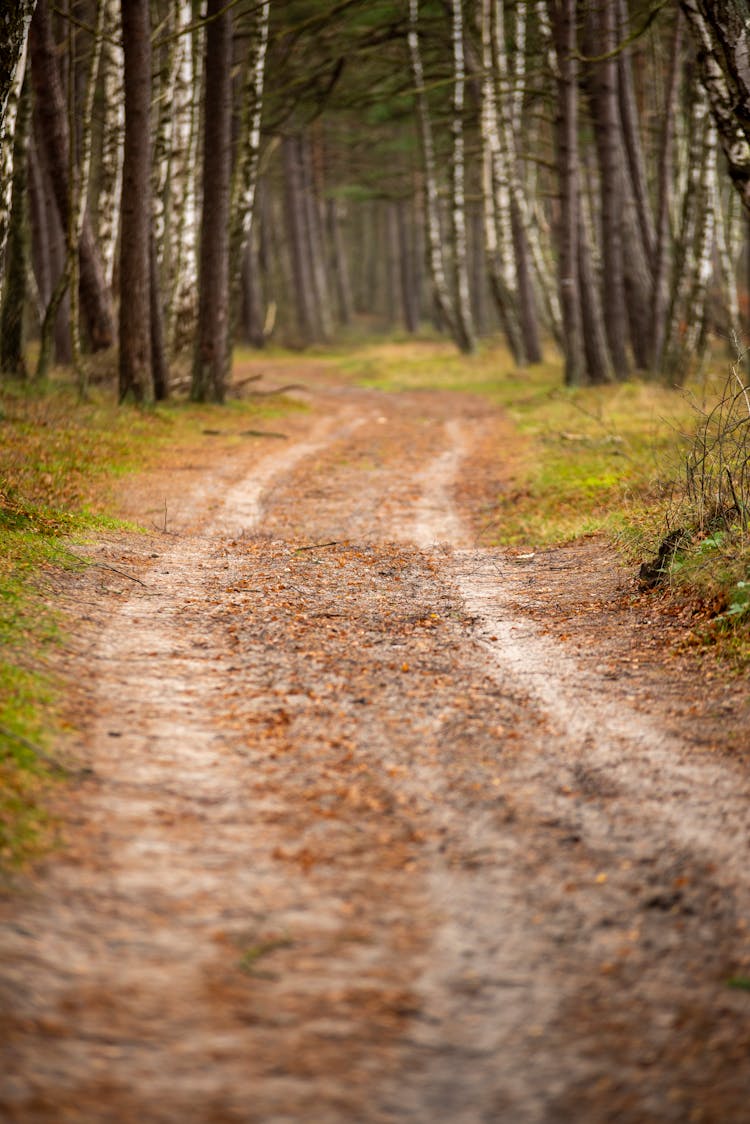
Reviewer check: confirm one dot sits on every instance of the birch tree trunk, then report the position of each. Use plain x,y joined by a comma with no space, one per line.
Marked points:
55,136
13,48
721,31
181,281
113,126
135,373
17,247
165,67
727,270
442,296
211,359
687,325
79,177
528,236
245,177
498,231
464,321
689,248
662,252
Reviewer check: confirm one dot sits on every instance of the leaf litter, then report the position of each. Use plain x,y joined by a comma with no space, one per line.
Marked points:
345,859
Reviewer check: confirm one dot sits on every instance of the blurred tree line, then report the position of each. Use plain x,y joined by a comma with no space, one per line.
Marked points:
176,175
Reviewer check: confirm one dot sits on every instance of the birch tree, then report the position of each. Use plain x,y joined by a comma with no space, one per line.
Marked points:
14,33
54,135
496,199
441,291
80,168
14,289
113,126
180,267
245,177
721,33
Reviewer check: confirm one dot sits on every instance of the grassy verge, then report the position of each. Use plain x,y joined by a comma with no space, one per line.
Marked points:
58,461
610,460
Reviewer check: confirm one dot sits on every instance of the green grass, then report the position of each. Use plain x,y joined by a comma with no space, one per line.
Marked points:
591,459
606,460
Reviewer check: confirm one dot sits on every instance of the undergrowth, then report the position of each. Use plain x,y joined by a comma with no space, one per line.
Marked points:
634,461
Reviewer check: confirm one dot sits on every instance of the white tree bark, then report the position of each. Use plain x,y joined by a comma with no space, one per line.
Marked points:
245,178
13,57
180,289
113,129
498,230
432,210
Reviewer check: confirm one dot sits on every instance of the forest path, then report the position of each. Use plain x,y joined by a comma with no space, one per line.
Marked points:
380,825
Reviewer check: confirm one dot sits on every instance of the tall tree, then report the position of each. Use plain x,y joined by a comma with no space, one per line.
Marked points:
464,320
563,20
14,289
13,45
721,32
601,40
135,265
498,230
441,291
210,356
54,135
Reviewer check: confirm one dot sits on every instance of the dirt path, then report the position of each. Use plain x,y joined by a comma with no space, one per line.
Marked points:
379,824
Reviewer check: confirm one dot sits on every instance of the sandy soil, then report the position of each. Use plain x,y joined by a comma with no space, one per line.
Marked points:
373,822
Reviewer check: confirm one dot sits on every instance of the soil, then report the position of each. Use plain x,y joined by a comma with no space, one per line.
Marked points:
372,821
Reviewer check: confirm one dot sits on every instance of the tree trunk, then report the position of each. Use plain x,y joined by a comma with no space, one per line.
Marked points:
54,134
17,248
526,297
245,177
135,269
211,358
602,81
721,31
296,219
79,172
159,365
636,165
252,305
48,240
13,46
181,283
315,247
662,255
113,124
563,19
598,365
432,212
339,262
464,322
498,230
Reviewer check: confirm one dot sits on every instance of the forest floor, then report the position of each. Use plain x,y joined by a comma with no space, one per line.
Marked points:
372,821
